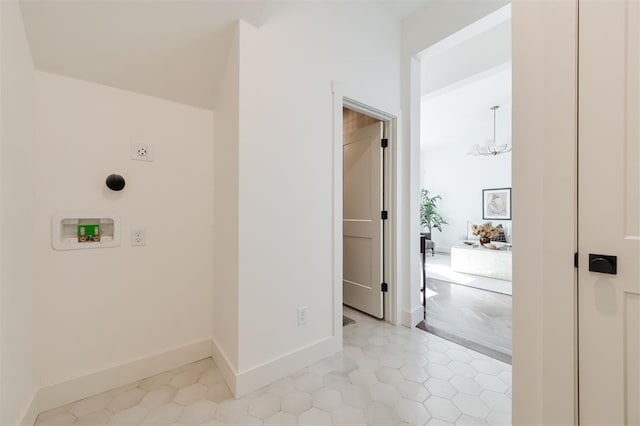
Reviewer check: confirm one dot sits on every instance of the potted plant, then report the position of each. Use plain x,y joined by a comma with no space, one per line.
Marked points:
429,217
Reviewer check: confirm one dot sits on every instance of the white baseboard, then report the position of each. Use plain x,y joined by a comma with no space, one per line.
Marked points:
58,394
30,413
241,384
411,319
253,379
227,370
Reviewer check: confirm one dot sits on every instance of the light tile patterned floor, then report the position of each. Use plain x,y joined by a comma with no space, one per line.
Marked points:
385,376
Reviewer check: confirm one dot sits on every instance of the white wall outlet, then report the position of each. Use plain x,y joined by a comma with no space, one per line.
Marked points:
302,315
141,152
138,237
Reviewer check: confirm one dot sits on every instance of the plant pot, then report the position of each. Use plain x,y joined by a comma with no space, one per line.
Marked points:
484,240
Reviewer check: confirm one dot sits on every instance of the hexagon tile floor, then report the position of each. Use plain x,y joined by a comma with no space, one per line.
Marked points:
385,376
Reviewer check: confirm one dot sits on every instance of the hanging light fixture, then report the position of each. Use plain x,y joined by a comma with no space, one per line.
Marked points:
490,147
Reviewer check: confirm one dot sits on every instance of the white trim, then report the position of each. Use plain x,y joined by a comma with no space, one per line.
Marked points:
336,213
58,394
393,187
244,382
30,413
413,318
367,102
411,191
226,369
255,378
364,103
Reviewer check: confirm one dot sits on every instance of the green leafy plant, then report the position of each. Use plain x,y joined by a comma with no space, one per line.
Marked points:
429,217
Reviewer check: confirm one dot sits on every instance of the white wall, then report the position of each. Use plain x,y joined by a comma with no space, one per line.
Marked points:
95,309
285,167
544,164
225,284
16,216
451,122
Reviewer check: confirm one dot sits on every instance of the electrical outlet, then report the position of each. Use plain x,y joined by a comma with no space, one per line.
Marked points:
138,237
141,152
302,315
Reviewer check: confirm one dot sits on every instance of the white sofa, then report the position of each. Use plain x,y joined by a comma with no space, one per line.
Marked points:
478,260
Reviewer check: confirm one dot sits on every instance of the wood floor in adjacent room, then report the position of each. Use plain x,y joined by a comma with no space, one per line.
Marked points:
476,318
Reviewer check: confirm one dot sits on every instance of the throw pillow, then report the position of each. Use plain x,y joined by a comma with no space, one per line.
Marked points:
501,237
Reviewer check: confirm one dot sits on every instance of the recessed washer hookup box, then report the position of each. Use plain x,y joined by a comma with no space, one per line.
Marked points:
84,230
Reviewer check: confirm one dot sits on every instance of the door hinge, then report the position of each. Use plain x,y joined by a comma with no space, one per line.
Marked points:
575,259
384,287
384,142
384,215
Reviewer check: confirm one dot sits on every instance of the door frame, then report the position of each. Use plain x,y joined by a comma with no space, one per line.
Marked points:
349,98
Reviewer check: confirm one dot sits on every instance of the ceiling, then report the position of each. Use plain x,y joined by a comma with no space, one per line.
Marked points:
403,8
481,49
490,50
170,49
462,116
174,50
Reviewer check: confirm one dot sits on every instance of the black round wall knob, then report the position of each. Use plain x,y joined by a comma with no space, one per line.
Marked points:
115,182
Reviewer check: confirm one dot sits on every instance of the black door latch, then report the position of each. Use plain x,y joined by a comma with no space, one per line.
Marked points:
603,264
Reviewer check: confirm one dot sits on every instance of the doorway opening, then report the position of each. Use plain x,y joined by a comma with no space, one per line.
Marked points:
364,213
466,187
365,226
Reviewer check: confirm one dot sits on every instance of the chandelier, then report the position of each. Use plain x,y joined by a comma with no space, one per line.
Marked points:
490,147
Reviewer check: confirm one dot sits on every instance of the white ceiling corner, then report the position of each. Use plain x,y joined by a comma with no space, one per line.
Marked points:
172,50
402,9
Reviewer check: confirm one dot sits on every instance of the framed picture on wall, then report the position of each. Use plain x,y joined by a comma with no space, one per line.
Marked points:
496,204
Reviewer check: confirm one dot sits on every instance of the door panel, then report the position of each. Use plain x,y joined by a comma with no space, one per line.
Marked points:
632,358
609,211
359,251
362,226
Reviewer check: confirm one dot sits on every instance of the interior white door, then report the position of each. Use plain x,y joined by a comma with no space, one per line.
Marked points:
362,224
609,211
